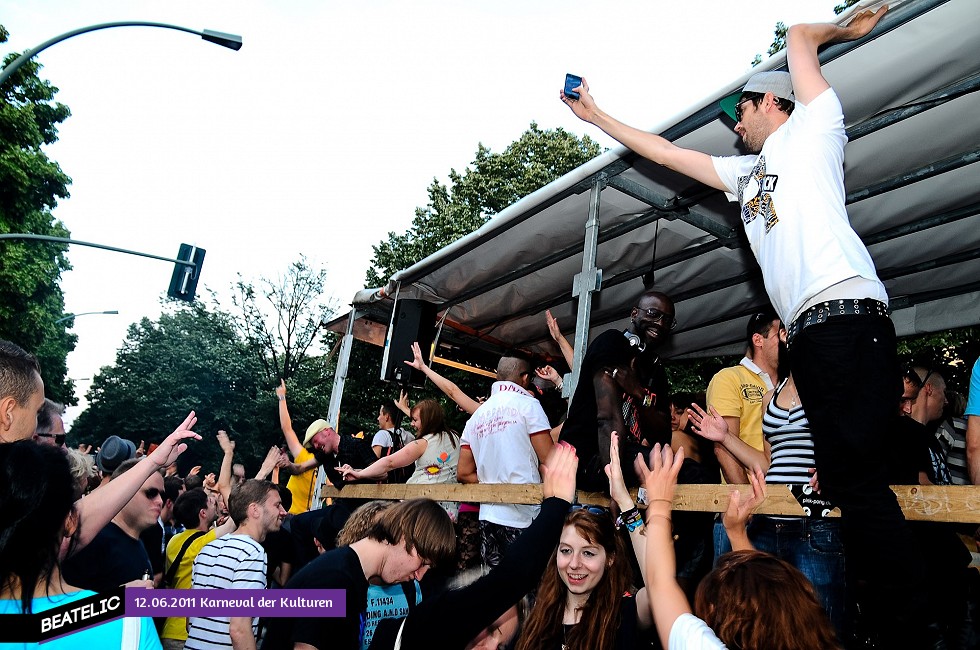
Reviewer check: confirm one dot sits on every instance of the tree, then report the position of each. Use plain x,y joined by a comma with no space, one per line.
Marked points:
30,186
281,318
190,359
495,181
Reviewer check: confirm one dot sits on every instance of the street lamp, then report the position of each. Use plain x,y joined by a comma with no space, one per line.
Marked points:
231,41
84,313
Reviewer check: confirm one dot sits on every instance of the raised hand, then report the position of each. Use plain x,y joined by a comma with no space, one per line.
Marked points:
553,328
548,373
660,478
741,507
585,107
614,471
227,444
172,446
713,426
281,389
558,473
417,361
862,24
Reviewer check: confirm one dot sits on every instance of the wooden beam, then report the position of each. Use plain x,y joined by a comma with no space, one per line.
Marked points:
954,503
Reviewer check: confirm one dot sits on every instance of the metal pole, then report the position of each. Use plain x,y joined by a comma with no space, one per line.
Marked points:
231,41
64,240
586,283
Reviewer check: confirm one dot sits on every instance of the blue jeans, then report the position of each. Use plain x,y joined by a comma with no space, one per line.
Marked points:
814,547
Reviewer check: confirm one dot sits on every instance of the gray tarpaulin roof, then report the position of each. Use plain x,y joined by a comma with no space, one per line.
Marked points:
913,194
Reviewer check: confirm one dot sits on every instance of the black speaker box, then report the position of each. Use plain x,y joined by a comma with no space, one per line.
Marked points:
411,320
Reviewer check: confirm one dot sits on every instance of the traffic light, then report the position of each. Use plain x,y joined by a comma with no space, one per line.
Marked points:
183,283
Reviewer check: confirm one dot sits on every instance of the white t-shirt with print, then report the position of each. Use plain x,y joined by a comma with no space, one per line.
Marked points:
792,199
499,435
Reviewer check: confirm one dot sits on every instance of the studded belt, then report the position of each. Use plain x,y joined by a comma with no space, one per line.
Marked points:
823,311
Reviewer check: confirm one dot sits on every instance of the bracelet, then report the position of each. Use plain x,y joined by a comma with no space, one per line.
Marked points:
671,501
654,514
631,519
561,384
281,399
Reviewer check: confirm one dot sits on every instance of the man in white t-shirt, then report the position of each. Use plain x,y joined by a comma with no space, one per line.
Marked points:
389,419
505,441
822,282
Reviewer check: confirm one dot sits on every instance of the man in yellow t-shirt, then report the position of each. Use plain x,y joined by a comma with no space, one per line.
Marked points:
736,392
197,511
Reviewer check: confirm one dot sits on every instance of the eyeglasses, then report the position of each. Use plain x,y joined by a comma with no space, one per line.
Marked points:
738,106
153,493
658,316
59,438
596,510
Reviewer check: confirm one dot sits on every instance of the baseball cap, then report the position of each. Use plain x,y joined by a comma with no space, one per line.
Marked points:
776,82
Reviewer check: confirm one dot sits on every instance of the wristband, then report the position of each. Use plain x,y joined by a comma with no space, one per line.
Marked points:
631,519
281,399
635,523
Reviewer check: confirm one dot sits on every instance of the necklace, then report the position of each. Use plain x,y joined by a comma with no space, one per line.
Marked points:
795,400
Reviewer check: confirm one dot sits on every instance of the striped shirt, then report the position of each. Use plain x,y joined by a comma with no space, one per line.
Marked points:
952,438
788,434
229,562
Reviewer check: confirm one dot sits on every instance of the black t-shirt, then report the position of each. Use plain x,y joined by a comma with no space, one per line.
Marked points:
610,349
152,539
907,451
111,559
279,548
336,569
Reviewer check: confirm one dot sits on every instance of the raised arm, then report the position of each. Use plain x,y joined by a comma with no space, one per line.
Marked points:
739,509
802,42
377,470
714,427
667,600
286,423
630,518
566,348
694,164
451,390
98,508
224,474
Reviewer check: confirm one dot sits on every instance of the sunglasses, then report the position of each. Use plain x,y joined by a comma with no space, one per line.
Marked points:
747,98
596,510
59,438
658,316
153,493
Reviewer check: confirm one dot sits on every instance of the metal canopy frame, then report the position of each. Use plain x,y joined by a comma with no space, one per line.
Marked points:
582,245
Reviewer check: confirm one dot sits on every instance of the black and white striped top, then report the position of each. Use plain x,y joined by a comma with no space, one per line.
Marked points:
229,562
788,434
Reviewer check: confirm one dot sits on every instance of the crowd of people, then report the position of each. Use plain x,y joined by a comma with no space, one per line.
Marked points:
819,402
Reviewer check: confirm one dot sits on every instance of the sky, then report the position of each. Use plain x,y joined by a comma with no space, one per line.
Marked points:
323,132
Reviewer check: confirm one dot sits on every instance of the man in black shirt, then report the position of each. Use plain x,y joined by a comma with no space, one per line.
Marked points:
622,387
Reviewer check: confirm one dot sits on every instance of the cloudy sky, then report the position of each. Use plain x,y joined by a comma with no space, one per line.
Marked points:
323,132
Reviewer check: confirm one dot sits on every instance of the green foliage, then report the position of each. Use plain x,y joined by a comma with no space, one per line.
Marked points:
841,8
492,182
281,318
778,42
30,186
951,351
190,359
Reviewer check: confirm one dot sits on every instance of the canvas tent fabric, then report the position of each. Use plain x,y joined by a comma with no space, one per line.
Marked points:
912,112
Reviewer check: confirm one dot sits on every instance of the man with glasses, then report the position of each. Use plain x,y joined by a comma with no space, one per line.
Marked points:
117,556
822,282
50,426
622,387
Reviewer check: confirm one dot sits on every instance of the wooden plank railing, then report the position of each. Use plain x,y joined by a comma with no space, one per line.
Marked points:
919,502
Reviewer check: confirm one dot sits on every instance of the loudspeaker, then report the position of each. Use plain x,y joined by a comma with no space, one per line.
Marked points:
411,320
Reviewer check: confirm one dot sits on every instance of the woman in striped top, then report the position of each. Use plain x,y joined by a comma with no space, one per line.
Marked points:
811,543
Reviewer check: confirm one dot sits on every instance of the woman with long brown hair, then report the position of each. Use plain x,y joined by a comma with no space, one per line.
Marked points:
580,603
435,452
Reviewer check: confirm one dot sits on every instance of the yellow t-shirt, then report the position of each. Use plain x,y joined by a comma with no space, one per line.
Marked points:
301,485
737,392
176,626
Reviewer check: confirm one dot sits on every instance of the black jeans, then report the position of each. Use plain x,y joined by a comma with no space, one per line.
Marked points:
847,373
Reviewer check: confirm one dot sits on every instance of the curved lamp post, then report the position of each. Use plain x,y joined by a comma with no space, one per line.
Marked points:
231,41
84,313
